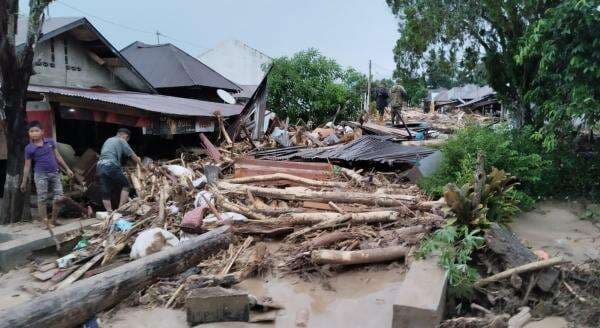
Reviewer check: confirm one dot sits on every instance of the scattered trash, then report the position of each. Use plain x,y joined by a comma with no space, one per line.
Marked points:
123,225
81,244
151,241
227,216
180,171
202,197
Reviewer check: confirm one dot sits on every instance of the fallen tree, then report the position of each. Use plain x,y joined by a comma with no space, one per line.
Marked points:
73,305
374,255
317,217
323,196
286,177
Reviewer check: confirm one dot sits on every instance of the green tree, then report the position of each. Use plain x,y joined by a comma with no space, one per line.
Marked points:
565,45
312,87
492,28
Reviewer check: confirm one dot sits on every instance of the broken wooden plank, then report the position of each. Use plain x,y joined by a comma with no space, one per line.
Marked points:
79,272
212,151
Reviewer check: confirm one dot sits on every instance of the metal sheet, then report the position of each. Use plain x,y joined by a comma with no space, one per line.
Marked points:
378,149
144,101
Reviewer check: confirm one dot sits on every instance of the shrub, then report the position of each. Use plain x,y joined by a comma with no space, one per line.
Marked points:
503,149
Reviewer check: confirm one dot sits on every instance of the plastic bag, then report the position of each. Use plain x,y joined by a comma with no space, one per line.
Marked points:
180,171
199,201
151,241
227,216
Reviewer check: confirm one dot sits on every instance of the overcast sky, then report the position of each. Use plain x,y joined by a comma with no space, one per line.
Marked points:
351,31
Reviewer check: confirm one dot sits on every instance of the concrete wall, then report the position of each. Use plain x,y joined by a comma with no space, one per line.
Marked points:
236,61
82,70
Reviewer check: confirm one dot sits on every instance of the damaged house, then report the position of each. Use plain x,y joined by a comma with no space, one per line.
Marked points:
83,89
469,97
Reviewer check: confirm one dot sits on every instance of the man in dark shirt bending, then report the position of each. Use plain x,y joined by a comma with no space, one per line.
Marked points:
109,168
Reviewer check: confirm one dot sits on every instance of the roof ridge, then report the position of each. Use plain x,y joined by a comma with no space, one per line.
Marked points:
185,68
210,68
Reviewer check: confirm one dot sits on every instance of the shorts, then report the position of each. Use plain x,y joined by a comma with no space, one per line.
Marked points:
48,184
111,176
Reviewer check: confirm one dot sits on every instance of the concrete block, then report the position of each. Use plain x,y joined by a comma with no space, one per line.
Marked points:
216,304
17,250
422,296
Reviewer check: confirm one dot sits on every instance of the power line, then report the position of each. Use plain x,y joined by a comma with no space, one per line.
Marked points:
156,33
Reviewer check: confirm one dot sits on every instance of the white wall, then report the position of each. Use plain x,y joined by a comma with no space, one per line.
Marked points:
86,72
236,61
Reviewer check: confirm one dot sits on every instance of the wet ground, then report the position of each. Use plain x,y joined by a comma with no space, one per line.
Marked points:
358,298
556,227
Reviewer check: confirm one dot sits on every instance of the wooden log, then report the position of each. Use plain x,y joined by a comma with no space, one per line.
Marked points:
331,223
520,269
329,238
327,196
503,242
287,177
356,218
72,306
243,210
374,255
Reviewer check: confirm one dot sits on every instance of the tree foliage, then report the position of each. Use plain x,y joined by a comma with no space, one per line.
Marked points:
474,30
565,44
312,87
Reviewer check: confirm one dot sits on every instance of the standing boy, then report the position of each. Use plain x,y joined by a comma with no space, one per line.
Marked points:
46,159
109,167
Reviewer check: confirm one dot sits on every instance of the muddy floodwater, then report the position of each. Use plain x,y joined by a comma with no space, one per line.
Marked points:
358,298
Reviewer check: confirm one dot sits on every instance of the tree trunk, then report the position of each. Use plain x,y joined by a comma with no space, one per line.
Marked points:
73,305
15,69
15,207
324,196
374,255
514,253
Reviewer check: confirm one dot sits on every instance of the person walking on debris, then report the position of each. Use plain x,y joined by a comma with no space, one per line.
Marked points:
381,100
109,168
397,95
46,159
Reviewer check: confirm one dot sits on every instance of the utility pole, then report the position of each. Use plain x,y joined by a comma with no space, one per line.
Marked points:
369,88
157,37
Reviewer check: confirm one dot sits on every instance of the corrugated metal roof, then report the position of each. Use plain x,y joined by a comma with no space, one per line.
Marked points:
465,92
366,148
167,66
149,102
